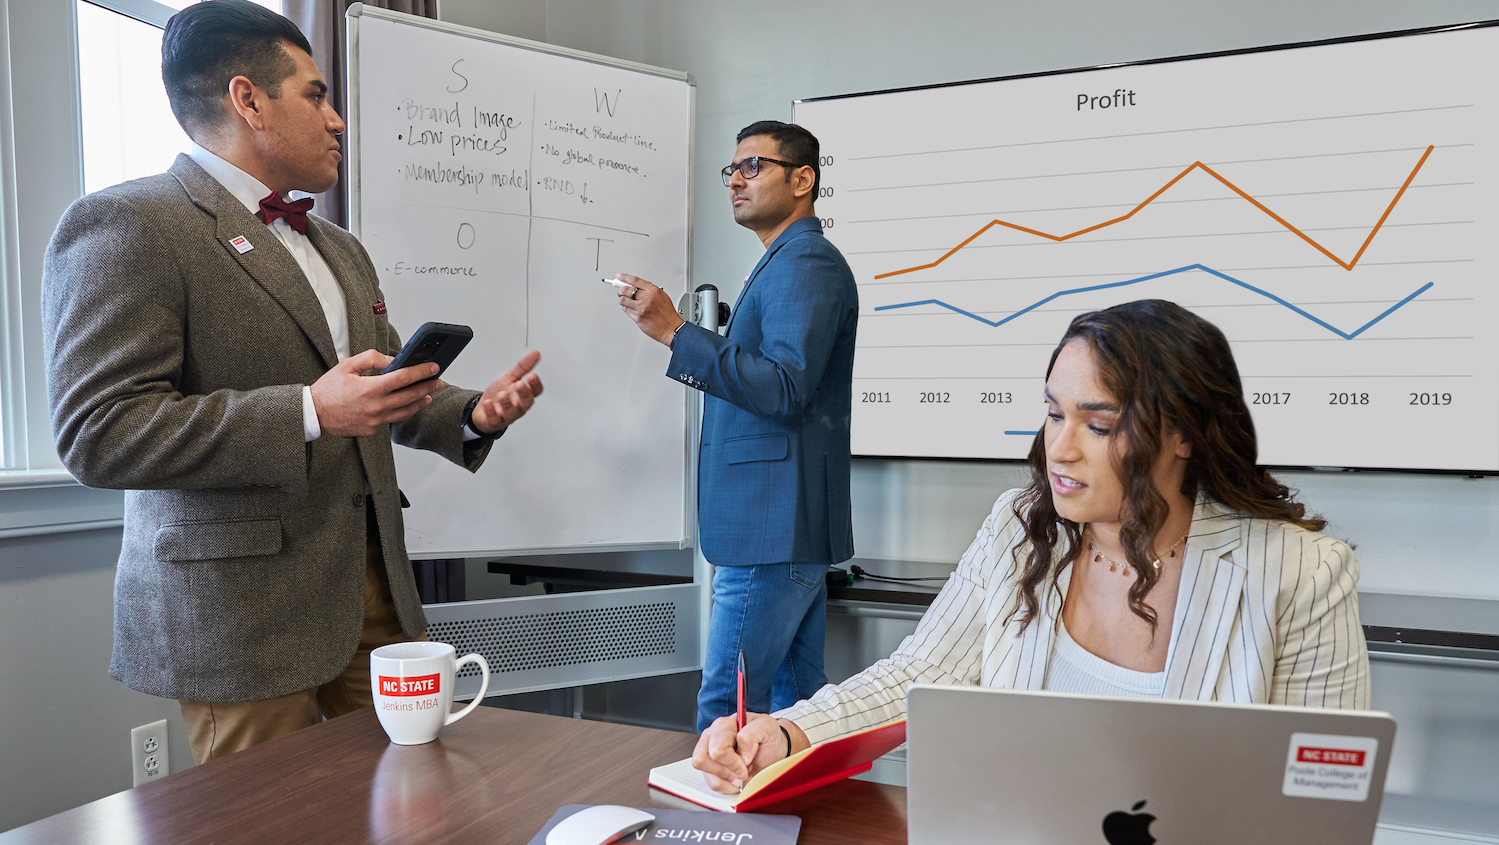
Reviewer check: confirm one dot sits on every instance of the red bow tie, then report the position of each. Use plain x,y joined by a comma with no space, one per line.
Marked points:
295,212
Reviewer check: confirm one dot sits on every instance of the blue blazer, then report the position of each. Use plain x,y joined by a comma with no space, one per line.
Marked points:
773,473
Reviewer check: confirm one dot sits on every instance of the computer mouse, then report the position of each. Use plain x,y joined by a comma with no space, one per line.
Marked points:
598,825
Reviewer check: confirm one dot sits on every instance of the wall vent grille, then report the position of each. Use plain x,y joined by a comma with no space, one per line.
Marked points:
522,642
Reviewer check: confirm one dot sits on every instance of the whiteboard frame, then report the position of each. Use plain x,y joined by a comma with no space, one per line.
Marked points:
358,11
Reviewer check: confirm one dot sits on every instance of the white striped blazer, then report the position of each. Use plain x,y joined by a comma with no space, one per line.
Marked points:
1266,613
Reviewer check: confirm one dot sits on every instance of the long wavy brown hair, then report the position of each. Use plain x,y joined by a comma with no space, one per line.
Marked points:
1169,370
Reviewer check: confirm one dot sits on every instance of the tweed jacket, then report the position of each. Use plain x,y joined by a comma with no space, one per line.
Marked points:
1266,613
175,367
773,468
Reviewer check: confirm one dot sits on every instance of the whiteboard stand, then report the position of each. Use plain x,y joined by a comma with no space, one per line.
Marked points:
396,61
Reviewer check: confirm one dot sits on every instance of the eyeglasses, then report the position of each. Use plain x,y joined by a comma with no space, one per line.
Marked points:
750,167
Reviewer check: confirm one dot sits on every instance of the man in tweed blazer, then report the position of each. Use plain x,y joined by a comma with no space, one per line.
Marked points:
212,365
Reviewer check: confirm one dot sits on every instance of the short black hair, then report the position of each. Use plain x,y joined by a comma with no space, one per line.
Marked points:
207,44
798,145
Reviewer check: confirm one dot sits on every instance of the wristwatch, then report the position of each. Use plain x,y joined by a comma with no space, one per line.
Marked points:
468,421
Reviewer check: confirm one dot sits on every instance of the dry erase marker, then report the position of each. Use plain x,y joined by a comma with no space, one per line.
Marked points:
617,283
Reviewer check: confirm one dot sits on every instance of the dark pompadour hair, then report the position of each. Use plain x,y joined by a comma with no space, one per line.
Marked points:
208,44
799,146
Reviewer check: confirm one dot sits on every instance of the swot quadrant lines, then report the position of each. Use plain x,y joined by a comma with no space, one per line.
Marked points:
1196,165
1224,276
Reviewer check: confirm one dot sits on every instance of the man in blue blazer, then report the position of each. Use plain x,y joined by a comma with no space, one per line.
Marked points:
773,475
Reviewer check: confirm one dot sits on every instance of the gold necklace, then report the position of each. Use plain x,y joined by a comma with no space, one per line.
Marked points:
1124,568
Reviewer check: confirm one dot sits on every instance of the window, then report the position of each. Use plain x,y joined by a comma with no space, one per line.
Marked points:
277,6
107,112
128,128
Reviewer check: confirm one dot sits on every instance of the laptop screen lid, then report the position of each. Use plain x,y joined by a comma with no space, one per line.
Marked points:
1020,766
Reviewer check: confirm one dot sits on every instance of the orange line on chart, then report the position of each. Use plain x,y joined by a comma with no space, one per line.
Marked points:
1196,165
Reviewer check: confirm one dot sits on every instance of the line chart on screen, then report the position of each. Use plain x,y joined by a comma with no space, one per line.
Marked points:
1326,206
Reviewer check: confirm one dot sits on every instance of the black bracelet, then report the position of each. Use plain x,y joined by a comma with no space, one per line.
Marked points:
786,734
468,421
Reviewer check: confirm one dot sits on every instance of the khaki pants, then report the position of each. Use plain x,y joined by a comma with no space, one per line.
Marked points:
215,729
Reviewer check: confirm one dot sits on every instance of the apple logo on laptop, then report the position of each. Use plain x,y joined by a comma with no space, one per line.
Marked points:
1121,828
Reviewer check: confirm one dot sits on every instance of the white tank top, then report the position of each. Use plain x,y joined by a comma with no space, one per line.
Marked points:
1073,668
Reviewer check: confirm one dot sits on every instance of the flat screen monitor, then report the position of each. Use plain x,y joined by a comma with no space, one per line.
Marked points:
1329,205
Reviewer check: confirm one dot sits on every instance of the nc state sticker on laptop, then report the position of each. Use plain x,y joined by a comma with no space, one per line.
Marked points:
1337,768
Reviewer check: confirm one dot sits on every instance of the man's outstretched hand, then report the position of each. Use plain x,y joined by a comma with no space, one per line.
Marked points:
508,397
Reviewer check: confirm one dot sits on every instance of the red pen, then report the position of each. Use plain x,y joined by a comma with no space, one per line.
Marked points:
740,717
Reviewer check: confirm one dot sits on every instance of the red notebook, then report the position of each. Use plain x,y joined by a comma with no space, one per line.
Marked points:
806,770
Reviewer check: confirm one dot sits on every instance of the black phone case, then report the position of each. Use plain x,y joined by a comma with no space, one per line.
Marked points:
439,343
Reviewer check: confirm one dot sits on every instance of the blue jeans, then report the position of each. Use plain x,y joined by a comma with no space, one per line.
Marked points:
776,613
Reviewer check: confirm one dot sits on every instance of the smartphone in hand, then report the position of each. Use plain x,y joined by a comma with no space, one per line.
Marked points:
438,343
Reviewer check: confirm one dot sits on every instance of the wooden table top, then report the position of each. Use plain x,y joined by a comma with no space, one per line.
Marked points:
494,777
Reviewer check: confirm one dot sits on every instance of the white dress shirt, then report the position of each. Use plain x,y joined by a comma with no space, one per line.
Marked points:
250,191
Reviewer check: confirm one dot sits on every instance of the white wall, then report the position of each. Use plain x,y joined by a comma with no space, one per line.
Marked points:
1415,534
521,18
67,725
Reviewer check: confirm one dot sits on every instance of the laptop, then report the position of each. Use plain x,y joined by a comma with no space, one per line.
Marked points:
1022,767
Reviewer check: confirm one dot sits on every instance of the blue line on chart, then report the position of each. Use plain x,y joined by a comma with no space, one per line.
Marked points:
1025,433
1227,278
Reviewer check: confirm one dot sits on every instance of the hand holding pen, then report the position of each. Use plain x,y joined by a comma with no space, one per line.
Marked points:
649,306
736,747
741,684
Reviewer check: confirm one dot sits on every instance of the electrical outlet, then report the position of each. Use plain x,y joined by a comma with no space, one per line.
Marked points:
148,752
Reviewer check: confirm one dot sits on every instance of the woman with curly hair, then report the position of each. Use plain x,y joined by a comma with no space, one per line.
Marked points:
1149,556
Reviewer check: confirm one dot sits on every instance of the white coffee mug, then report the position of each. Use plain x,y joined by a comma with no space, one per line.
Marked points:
413,687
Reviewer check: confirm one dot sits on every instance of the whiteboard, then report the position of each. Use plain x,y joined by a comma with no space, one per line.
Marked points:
1328,206
494,182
